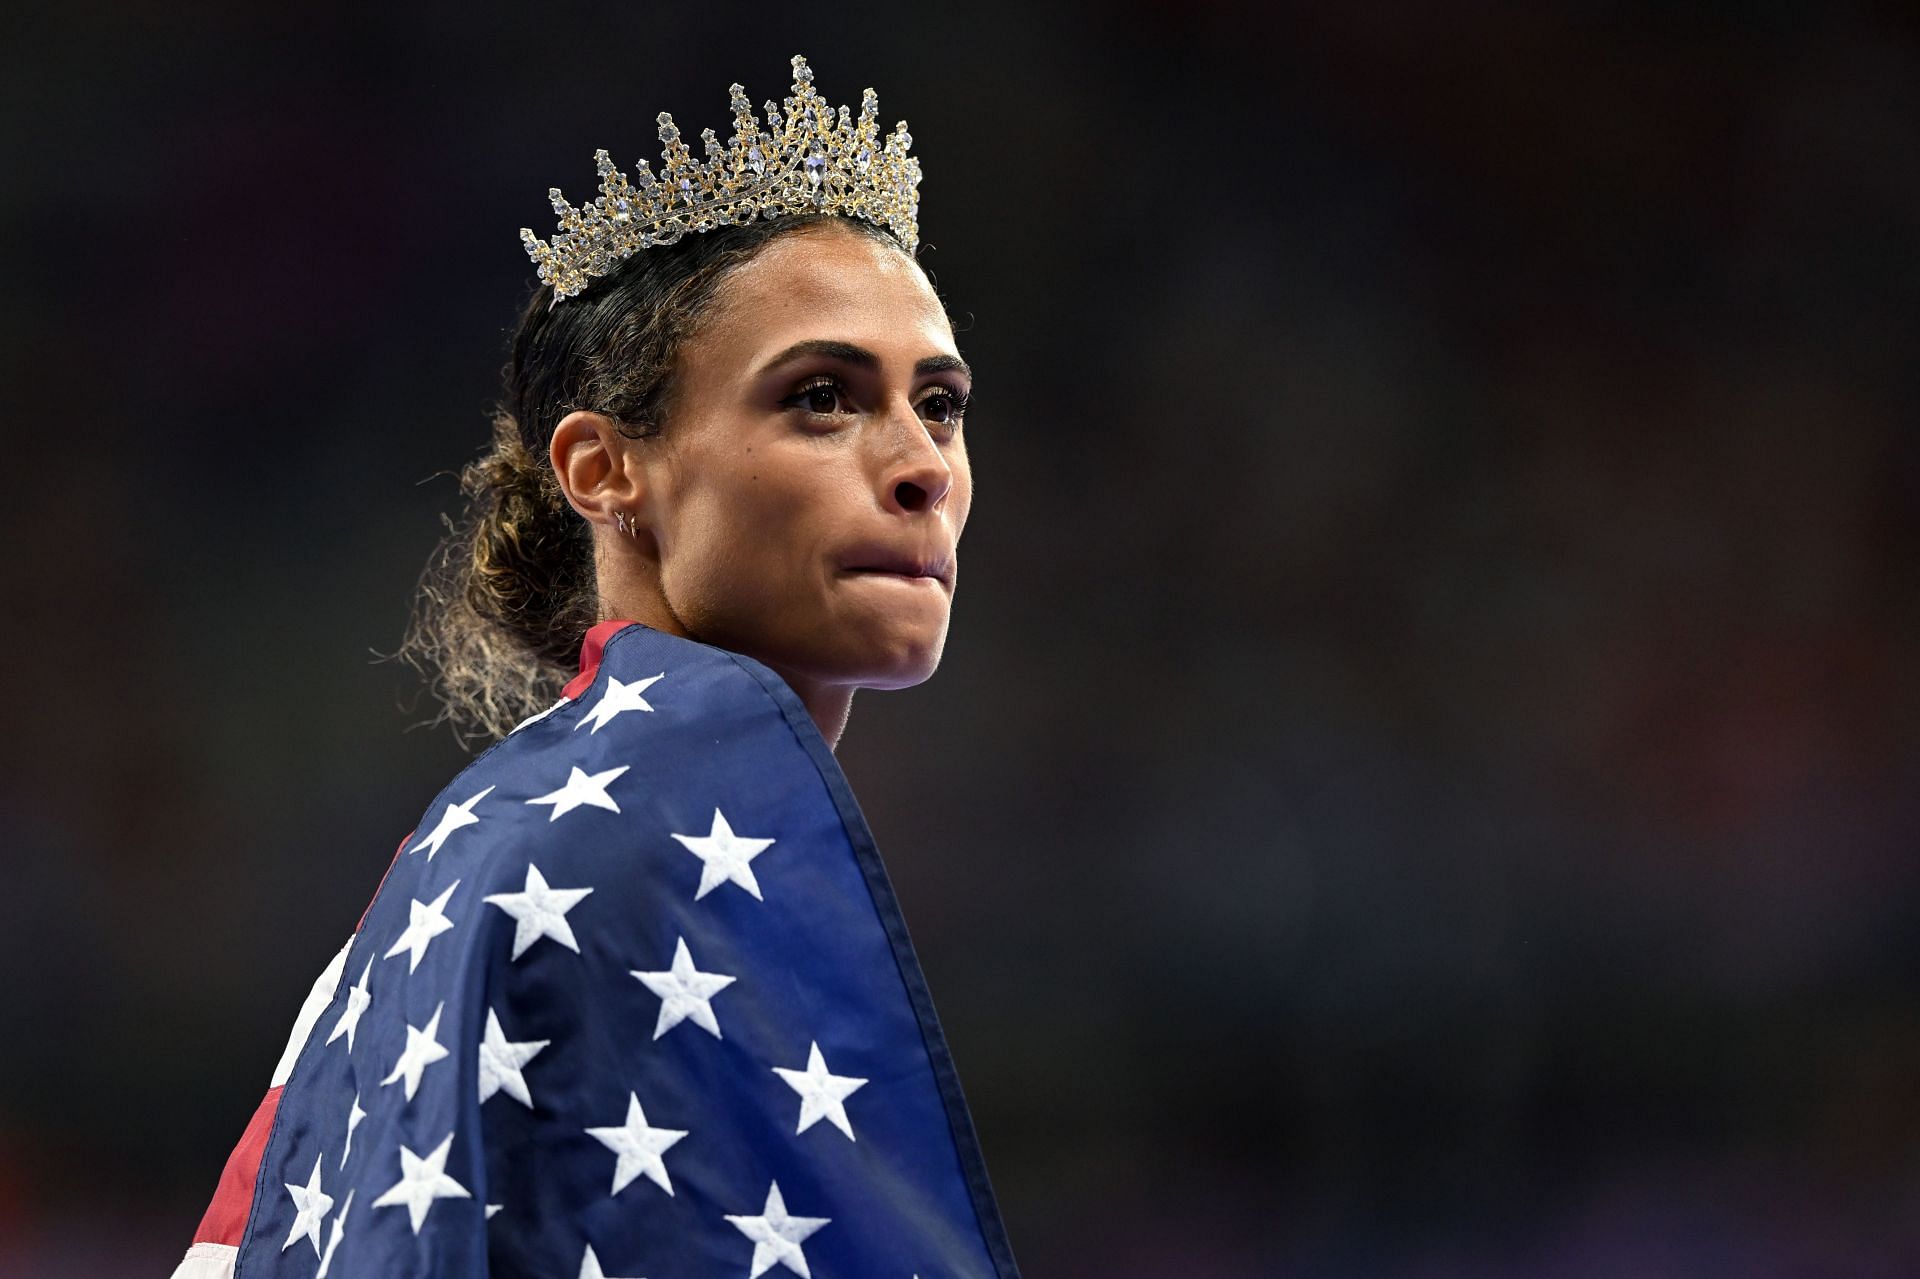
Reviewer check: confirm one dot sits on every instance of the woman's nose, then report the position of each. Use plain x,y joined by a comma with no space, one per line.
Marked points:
919,476
921,494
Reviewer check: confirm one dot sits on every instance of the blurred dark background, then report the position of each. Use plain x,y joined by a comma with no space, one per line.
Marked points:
1424,778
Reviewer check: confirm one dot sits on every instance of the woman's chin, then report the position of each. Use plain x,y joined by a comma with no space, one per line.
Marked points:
902,676
900,659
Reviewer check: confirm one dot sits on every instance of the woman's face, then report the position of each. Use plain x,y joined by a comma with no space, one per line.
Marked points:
809,489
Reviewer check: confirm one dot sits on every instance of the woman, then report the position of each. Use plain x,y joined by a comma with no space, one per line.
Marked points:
640,1001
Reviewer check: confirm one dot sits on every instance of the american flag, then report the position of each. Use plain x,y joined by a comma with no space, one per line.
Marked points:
635,1001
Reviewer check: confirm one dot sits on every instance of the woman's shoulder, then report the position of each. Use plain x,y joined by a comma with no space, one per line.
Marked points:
660,739
646,708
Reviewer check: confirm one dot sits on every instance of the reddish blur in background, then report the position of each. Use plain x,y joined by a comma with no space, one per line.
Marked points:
1423,781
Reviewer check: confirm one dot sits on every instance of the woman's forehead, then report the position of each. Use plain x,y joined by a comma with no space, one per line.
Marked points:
834,284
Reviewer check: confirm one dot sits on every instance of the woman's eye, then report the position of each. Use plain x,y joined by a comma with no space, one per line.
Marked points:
821,398
943,407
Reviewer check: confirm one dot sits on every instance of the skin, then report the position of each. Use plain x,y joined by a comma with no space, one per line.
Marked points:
778,488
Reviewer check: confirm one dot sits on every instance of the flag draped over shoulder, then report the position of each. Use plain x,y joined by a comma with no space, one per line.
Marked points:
635,1000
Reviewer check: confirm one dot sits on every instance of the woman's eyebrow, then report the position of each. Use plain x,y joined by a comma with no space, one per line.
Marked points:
859,356
942,364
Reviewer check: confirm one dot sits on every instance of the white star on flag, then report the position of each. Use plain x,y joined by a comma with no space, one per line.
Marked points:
422,1050
421,1182
333,1239
639,1147
724,856
822,1095
777,1236
310,1209
590,1266
456,816
618,697
424,923
539,911
357,1001
685,993
354,1117
501,1063
581,788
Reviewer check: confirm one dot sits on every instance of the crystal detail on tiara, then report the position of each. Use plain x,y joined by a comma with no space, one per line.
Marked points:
808,158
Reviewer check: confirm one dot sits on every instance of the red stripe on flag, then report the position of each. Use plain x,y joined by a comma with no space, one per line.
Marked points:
590,650
226,1219
383,879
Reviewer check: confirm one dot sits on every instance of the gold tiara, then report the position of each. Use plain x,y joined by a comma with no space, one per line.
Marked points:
810,158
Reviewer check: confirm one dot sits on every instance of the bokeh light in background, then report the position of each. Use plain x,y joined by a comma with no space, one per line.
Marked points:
1424,778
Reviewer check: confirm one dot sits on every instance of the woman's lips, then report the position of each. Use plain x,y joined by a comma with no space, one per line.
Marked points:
909,566
884,573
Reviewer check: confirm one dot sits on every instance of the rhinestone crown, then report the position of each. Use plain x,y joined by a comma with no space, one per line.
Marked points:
809,158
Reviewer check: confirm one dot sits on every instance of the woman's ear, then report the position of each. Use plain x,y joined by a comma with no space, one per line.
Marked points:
598,474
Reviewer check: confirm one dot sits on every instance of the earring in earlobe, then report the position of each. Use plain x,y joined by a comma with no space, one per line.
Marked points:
620,519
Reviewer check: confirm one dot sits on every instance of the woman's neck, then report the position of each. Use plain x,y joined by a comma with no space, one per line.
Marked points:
829,705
